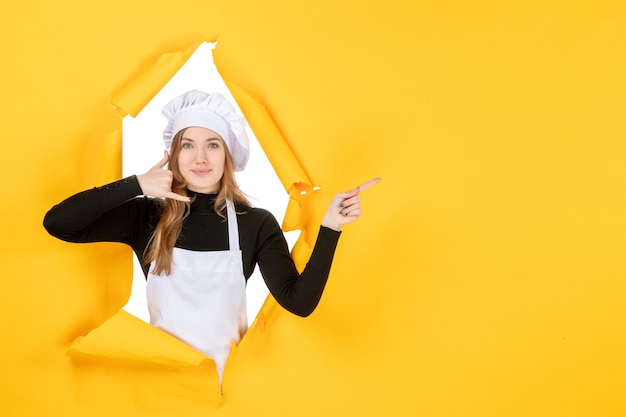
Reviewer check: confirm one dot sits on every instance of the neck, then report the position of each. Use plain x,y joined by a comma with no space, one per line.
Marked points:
201,202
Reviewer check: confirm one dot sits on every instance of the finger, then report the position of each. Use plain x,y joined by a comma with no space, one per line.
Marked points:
352,212
346,202
355,213
174,196
346,194
368,184
163,161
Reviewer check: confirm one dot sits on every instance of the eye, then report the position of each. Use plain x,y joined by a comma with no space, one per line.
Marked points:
214,145
186,145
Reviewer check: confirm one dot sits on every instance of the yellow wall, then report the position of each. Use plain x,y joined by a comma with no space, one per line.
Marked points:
487,275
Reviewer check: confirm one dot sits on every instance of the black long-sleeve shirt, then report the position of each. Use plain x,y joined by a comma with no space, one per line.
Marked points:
118,212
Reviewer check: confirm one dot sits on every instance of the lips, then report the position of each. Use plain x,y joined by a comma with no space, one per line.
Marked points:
201,172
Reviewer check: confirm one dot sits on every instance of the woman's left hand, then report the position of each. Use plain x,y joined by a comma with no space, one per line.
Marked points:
345,207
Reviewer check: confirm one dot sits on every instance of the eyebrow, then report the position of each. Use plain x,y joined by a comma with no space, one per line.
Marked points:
211,139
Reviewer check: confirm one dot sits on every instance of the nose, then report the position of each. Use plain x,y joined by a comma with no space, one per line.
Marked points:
201,157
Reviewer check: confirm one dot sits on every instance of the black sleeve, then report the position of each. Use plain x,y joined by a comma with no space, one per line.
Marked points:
101,214
298,293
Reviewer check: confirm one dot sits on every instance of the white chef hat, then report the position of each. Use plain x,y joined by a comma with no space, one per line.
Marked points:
212,111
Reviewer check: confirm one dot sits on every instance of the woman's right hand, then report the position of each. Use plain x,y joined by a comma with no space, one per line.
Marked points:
157,182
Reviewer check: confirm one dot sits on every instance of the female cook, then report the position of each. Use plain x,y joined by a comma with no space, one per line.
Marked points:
196,235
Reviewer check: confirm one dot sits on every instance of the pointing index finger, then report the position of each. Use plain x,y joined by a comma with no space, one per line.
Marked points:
368,184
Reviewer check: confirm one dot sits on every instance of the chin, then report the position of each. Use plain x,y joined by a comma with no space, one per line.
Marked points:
203,190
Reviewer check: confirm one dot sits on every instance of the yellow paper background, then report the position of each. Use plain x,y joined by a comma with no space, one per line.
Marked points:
486,277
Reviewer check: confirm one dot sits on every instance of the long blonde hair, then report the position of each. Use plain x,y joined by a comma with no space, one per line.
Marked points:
174,212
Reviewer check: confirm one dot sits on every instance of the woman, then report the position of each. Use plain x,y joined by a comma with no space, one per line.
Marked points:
199,240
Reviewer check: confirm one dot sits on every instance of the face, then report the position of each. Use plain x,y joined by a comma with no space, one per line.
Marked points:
201,159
